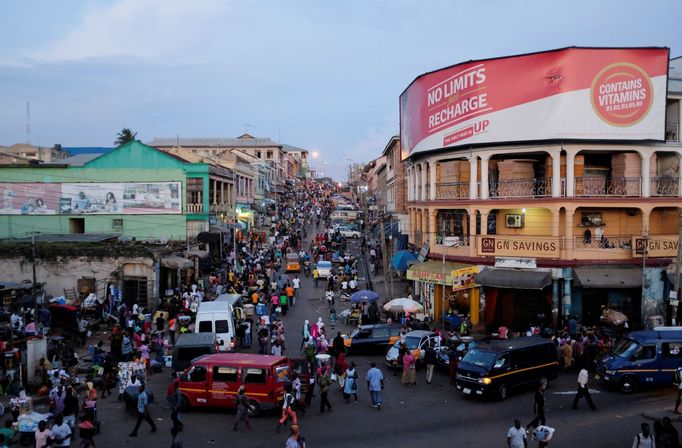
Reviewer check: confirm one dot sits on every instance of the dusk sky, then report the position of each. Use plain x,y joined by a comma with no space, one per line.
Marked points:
321,75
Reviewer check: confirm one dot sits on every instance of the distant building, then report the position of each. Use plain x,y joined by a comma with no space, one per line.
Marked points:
31,152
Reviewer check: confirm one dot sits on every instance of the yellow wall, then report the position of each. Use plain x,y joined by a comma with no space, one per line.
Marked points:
538,221
663,221
616,222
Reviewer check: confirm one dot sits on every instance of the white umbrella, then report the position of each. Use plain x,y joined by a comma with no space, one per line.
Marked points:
403,305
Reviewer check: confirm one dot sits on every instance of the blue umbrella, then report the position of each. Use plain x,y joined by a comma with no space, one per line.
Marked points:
364,296
401,259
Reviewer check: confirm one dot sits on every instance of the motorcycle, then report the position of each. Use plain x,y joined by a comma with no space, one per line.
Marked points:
344,296
306,269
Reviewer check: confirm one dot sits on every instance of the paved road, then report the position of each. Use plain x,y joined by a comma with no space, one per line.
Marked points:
423,415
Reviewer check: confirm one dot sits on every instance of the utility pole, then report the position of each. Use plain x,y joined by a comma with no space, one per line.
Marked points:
33,286
677,272
383,256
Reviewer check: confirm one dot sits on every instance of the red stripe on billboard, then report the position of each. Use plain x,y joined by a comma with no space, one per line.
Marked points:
457,96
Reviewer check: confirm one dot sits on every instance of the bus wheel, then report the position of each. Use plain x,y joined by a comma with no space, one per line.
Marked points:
628,385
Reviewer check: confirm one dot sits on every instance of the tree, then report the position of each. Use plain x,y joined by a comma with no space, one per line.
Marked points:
125,136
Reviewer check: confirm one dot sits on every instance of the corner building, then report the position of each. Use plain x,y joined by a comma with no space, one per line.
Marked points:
565,191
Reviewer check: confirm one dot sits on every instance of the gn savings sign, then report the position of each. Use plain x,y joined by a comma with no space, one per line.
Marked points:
518,247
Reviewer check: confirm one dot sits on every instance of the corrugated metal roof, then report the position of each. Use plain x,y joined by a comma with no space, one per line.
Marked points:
66,238
78,160
255,142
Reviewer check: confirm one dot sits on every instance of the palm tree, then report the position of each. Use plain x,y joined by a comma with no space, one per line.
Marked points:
125,136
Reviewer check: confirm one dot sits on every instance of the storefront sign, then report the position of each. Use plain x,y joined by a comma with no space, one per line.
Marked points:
516,263
426,276
574,93
655,246
518,246
464,278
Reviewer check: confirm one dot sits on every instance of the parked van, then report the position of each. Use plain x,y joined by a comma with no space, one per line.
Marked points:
213,380
643,358
494,367
216,317
190,346
348,215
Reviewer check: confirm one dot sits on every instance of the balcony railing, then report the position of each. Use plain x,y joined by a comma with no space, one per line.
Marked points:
672,132
523,188
195,208
452,190
454,241
664,186
616,186
604,242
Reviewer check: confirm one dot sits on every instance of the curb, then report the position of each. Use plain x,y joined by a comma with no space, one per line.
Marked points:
658,415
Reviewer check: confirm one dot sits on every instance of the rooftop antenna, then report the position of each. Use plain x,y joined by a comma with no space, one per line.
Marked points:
28,123
248,126
177,139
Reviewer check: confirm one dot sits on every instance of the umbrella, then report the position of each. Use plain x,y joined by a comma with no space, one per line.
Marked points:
403,306
364,296
401,260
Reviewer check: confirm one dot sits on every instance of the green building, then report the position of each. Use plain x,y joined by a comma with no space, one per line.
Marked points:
134,191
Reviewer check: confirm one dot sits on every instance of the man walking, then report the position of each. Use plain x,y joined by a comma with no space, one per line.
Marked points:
538,407
375,384
316,276
644,439
678,382
242,409
323,384
430,361
517,436
142,412
583,390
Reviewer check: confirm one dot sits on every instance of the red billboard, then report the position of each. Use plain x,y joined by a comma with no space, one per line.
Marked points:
567,94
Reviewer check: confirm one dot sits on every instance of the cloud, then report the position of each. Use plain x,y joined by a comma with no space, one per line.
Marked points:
156,30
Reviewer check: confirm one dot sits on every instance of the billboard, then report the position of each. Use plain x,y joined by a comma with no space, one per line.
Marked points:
132,198
567,94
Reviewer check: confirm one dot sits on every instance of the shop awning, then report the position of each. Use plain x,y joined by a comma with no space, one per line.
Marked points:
196,253
514,278
433,271
627,277
175,262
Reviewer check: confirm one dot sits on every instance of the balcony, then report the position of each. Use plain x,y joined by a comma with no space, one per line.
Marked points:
195,208
617,186
605,242
220,208
665,186
452,190
672,132
523,188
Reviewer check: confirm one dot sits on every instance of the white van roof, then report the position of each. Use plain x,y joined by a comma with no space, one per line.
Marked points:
213,307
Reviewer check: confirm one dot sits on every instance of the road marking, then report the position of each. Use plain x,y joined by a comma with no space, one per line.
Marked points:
573,392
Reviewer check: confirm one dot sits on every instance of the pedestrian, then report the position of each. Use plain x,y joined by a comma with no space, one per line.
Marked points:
644,439
517,436
323,383
292,441
375,384
409,370
665,434
86,432
430,361
287,409
61,432
176,440
316,276
350,385
242,409
583,390
43,436
174,399
142,412
677,380
538,407
296,387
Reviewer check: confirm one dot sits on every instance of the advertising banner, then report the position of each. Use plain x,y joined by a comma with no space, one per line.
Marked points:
655,246
518,246
572,93
91,198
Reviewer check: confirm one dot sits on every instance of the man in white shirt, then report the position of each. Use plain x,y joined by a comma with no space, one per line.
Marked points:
583,390
516,436
296,282
61,432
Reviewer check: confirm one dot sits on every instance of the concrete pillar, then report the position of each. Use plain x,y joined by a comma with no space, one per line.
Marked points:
484,222
473,177
555,223
568,234
645,222
433,226
570,174
566,298
555,302
679,179
556,174
409,184
646,174
425,226
432,181
422,196
484,177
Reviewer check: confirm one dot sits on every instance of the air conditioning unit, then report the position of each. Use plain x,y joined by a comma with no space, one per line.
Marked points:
514,221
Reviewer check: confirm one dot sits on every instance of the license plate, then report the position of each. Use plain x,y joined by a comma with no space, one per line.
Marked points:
466,390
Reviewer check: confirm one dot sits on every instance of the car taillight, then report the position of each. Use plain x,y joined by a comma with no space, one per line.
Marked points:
232,344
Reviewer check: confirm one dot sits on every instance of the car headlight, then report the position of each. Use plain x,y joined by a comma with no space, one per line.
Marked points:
611,372
485,380
458,376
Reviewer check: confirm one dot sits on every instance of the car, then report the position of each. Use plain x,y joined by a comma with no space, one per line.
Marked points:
324,268
349,233
416,341
367,338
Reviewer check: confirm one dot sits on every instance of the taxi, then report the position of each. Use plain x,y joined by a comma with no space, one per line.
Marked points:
368,338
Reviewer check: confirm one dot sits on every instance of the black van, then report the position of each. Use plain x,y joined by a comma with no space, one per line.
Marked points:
190,346
493,367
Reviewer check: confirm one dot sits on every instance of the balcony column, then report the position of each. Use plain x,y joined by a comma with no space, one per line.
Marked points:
484,219
422,196
409,184
679,179
484,177
425,225
646,174
568,232
570,174
215,191
556,174
473,177
646,213
556,232
466,228
432,181
433,227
